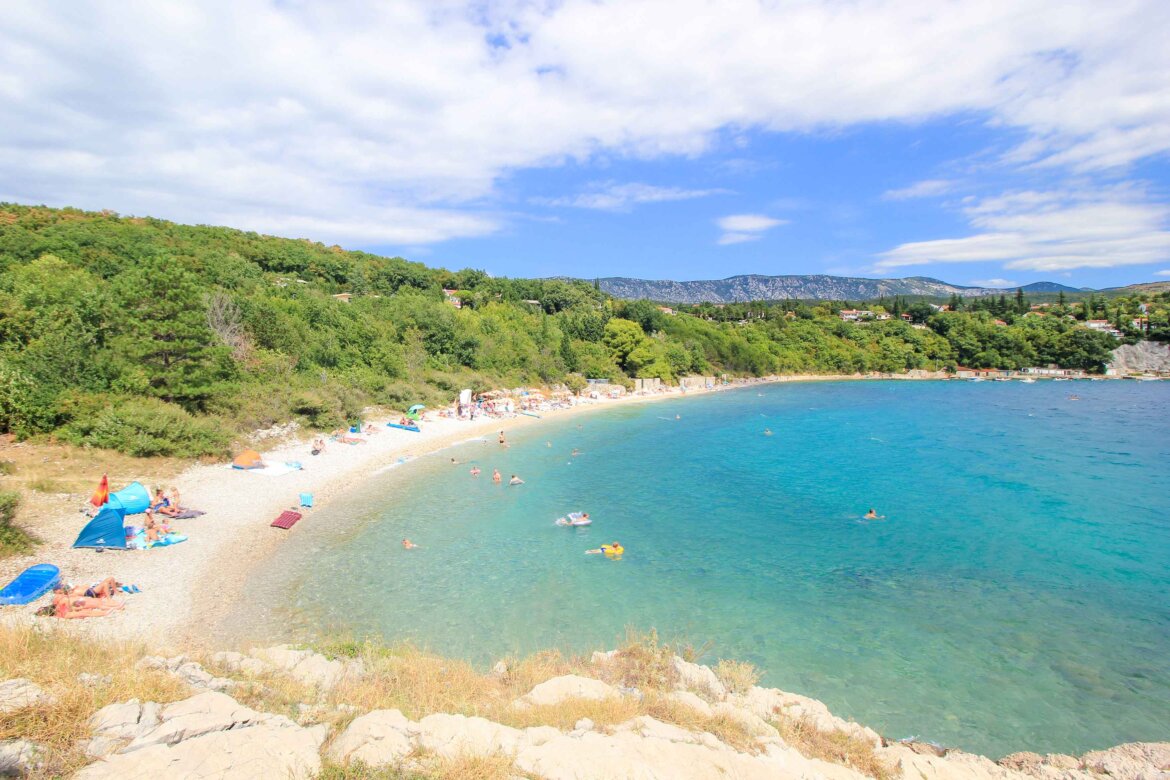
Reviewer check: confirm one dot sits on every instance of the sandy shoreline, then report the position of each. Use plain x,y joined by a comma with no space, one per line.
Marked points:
188,588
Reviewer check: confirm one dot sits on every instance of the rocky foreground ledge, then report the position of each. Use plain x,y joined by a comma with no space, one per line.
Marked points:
706,729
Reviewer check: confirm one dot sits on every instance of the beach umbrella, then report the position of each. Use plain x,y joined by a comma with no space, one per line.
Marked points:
102,494
415,408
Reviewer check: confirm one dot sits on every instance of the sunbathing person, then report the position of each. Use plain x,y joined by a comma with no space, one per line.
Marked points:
66,606
318,446
154,529
163,504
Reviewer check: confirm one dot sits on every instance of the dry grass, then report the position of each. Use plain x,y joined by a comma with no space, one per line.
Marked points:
834,746
728,730
421,767
53,660
737,676
642,662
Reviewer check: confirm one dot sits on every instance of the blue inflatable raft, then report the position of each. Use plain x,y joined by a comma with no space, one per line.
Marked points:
31,584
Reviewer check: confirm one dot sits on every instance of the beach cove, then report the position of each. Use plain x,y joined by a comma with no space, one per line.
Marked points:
233,542
1025,563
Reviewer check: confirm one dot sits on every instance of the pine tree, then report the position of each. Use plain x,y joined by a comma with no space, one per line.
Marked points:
1021,301
166,336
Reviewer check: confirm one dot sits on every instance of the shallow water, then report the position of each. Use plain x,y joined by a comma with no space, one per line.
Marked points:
1016,597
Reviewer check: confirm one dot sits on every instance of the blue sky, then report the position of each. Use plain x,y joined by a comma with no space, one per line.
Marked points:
990,143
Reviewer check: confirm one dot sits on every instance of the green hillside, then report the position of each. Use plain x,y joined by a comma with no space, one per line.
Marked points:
158,338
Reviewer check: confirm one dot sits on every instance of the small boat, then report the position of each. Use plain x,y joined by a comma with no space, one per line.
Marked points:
1028,381
574,520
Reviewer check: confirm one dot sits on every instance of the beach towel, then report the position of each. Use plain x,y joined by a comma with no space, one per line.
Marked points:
286,520
139,541
187,514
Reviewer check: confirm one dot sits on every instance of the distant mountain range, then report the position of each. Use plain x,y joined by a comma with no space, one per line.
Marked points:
755,287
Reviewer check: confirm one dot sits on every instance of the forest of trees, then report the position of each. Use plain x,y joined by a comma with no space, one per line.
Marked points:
157,338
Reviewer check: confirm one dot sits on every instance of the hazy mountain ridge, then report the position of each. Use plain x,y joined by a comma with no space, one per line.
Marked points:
756,287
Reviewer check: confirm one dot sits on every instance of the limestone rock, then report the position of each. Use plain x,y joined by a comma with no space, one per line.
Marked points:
238,662
119,721
600,659
18,757
699,679
651,728
18,693
454,735
748,719
569,686
306,666
768,702
688,699
94,680
627,755
955,765
239,754
196,676
1133,761
201,714
377,738
538,735
583,725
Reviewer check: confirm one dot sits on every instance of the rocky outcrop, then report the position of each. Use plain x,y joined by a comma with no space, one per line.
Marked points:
18,693
307,667
758,287
19,757
569,686
1144,357
209,735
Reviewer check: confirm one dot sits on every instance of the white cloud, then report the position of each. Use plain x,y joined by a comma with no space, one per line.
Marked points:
738,228
1164,272
1051,231
993,283
612,196
923,189
395,121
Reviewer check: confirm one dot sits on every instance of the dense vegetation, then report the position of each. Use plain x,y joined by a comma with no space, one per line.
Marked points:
157,338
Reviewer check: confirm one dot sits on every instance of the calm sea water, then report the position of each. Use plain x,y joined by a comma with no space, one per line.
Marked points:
1016,597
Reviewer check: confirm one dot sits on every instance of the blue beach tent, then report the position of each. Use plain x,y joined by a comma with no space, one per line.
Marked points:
104,530
131,500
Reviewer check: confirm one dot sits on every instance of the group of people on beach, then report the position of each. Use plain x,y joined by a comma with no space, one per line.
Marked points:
86,601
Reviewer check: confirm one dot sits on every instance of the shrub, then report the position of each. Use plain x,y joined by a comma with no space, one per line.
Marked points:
644,662
737,676
13,541
834,746
146,427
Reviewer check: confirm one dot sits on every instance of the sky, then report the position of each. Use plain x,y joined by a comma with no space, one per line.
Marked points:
990,143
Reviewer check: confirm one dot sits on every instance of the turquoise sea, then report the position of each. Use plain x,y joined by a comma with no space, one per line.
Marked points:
1017,595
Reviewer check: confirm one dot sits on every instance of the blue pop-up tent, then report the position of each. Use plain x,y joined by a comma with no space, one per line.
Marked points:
104,530
131,500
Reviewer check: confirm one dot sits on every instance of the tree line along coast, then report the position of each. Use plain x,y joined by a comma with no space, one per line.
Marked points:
155,338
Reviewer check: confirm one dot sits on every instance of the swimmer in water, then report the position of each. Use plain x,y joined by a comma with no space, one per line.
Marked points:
614,549
576,452
475,471
409,545
515,480
873,515
502,440
496,476
767,431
